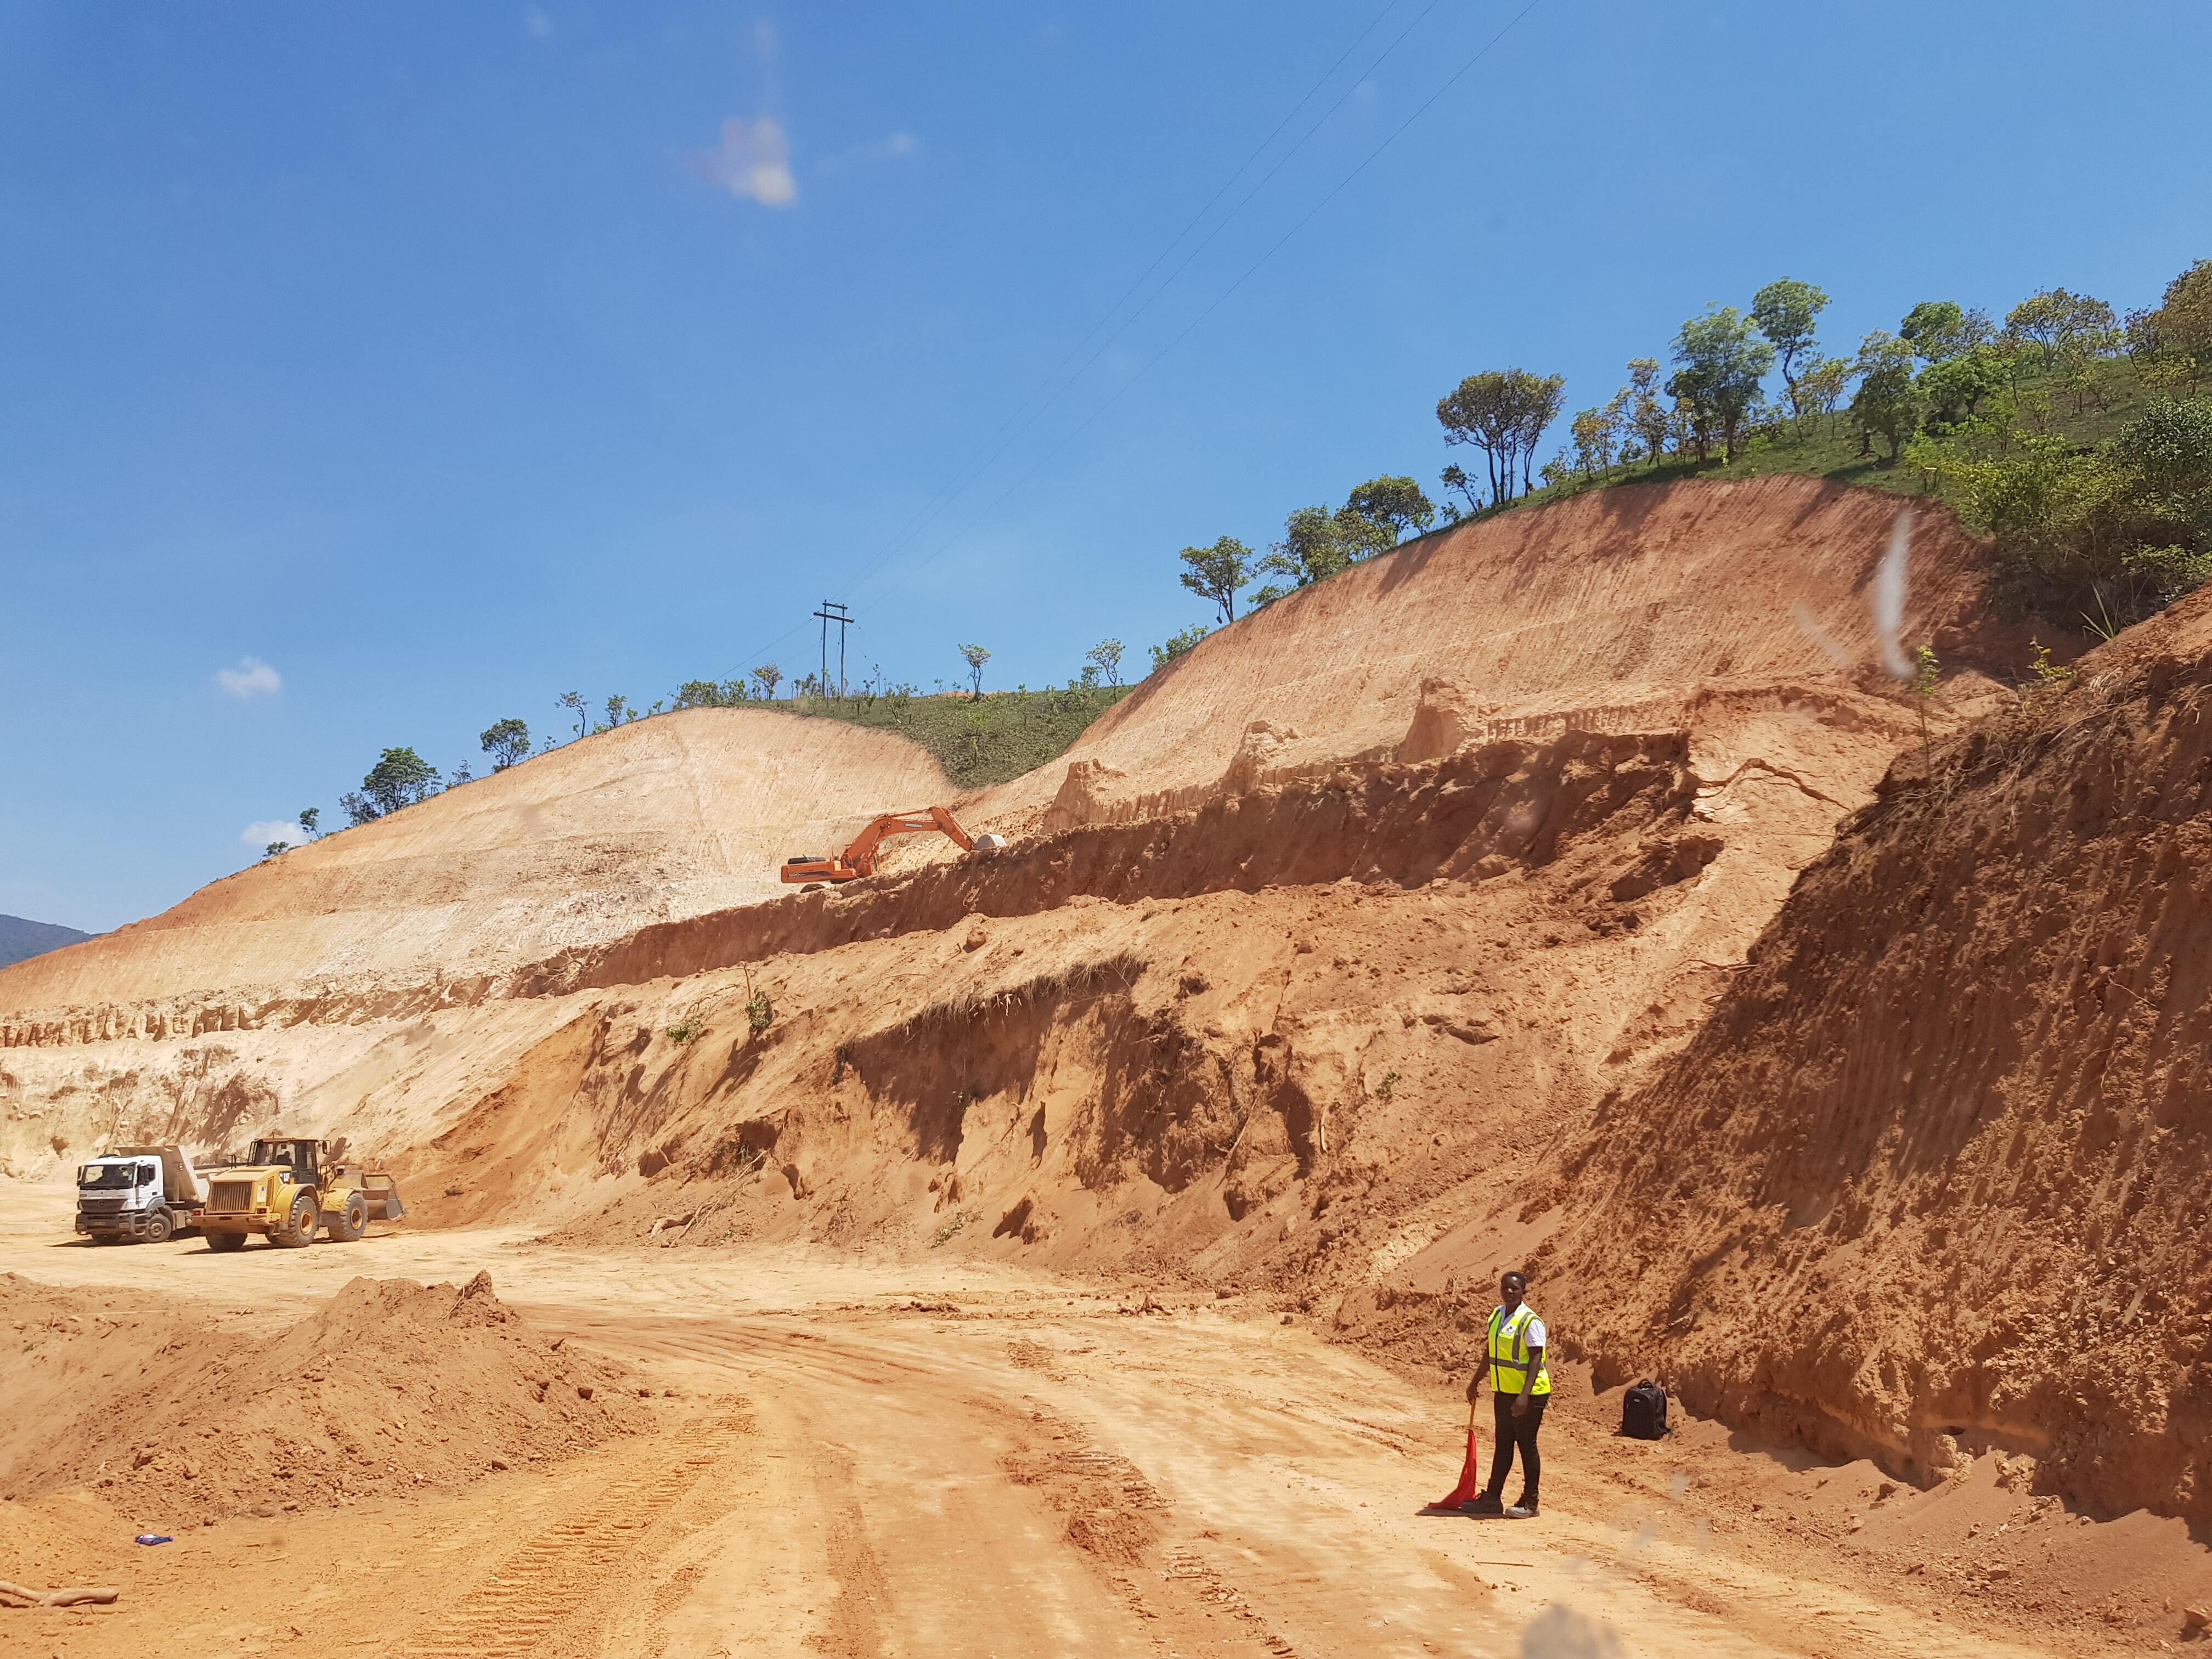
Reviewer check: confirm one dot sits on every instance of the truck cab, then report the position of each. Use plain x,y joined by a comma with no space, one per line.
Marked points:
147,1193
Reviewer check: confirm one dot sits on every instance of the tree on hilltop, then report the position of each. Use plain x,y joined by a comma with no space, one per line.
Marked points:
1106,658
1594,432
975,656
1454,477
1394,504
1954,386
507,742
1888,401
573,702
1653,421
1939,331
2180,328
1720,363
1784,312
2062,324
711,694
400,778
1312,550
1503,413
768,676
1215,573
1822,387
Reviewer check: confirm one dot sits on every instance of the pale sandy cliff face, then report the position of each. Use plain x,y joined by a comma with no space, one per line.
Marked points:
1324,960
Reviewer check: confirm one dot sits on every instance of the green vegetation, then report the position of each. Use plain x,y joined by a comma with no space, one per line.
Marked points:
975,656
507,742
1216,573
1503,413
2080,442
1182,644
400,778
978,740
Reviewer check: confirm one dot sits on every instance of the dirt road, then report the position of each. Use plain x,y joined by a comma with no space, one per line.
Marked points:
939,1459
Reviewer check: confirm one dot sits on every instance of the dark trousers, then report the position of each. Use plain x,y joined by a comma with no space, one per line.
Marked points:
1517,1431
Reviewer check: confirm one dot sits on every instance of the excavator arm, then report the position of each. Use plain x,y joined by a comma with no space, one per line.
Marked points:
859,859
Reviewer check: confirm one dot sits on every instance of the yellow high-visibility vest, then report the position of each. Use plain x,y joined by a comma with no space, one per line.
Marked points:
1509,1352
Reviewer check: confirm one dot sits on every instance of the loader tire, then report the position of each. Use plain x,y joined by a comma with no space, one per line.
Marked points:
299,1229
348,1225
223,1243
158,1228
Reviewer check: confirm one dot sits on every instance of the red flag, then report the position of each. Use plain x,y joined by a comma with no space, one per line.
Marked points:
1469,1482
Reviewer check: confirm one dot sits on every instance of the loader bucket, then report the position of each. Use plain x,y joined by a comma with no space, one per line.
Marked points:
382,1192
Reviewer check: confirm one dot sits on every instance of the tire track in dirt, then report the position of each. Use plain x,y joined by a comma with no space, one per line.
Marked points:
564,1569
854,1625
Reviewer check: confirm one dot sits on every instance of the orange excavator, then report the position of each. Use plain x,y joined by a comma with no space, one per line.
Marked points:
859,859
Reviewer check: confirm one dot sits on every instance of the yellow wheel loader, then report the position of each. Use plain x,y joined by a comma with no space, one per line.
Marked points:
287,1189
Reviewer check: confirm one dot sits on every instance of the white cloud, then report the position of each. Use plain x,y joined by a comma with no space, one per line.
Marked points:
539,24
253,678
900,143
260,836
754,163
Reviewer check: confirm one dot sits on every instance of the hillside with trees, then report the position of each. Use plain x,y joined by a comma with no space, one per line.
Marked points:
2078,438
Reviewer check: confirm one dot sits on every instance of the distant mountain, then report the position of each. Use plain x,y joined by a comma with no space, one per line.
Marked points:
20,939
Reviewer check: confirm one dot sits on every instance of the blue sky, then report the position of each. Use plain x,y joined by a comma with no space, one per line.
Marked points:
369,374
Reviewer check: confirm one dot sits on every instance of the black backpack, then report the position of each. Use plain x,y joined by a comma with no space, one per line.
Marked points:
1644,1411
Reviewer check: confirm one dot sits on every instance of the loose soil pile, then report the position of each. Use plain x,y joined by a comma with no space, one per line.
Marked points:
389,1388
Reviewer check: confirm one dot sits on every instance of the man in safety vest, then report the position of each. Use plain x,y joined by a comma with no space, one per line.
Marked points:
1521,1387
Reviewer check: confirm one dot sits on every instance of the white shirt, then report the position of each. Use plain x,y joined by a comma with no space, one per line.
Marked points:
1532,1333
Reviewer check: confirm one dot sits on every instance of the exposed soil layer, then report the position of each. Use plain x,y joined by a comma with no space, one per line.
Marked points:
663,818
389,1388
1608,611
1937,1176
1401,932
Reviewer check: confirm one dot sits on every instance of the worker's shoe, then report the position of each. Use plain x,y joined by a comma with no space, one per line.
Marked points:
1523,1510
1483,1503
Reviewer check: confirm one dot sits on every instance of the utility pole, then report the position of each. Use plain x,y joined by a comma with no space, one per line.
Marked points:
831,612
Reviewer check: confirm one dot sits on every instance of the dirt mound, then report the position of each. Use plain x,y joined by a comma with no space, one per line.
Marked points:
1933,1179
389,1388
665,818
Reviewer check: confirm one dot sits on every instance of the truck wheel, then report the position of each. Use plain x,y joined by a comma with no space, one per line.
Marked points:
158,1228
351,1223
226,1243
299,1228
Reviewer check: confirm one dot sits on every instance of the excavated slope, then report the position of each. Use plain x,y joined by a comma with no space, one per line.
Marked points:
667,816
1936,1179
1377,893
1608,612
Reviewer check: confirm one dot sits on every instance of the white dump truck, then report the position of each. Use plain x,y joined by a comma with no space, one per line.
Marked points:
149,1193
